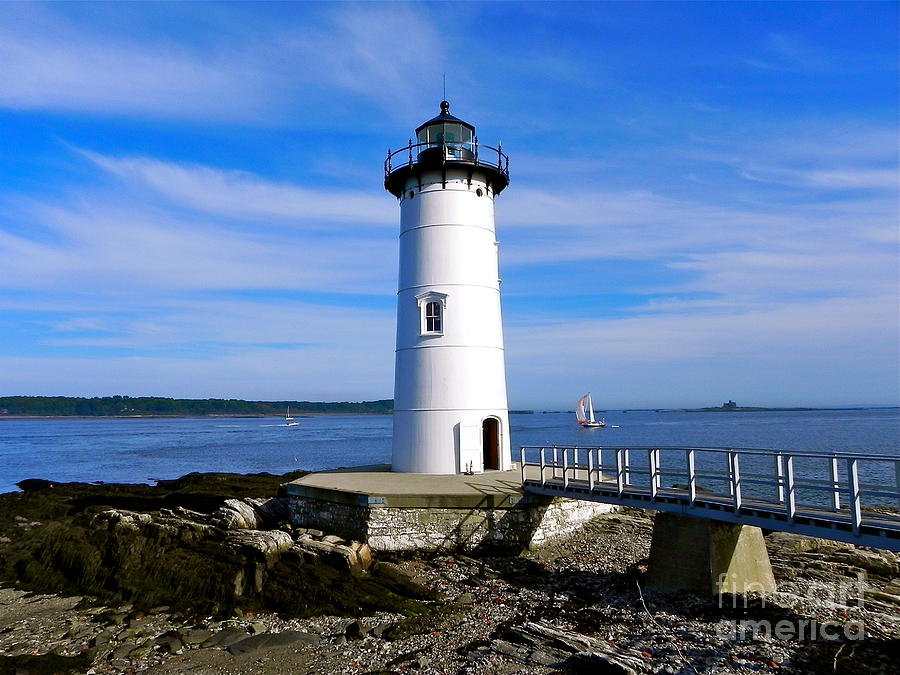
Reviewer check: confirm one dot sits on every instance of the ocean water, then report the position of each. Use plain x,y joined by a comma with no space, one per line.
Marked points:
149,449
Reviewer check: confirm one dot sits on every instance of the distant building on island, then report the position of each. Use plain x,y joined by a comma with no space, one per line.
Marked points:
729,404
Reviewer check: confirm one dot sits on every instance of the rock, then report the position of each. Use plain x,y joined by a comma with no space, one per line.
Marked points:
549,645
226,637
195,636
357,630
883,563
272,641
604,663
236,514
539,635
892,598
171,642
35,484
786,542
142,651
433,619
258,628
271,513
364,554
123,650
102,638
510,649
265,545
334,554
541,658
465,599
378,631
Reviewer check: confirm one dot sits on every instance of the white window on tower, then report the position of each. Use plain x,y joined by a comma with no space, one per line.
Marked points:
431,313
433,317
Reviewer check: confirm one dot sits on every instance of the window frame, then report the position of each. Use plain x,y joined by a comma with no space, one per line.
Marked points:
438,301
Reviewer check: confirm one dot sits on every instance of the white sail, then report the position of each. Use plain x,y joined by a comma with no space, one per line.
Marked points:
584,413
579,410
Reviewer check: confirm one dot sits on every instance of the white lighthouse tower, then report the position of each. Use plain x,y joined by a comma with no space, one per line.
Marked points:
450,407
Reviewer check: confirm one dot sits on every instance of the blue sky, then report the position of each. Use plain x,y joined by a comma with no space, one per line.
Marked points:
704,196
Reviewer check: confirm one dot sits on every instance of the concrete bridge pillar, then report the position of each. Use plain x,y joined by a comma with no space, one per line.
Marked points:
707,557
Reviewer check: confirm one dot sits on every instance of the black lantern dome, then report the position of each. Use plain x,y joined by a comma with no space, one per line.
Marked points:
442,142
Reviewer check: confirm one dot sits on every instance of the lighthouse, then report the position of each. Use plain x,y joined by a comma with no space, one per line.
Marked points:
450,405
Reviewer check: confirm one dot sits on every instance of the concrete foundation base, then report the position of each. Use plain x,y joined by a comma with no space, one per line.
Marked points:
421,512
706,556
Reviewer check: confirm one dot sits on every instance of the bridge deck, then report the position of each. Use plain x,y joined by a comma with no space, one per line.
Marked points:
579,473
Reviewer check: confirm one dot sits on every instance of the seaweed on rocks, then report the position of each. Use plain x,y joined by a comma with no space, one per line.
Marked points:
166,545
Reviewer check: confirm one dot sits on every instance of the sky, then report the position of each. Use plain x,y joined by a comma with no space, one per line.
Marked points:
703,202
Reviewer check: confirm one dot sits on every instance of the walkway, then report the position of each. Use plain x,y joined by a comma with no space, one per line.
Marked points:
813,494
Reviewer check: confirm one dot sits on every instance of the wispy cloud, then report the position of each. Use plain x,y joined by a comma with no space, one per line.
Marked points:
240,194
788,52
229,324
104,245
53,61
768,353
372,51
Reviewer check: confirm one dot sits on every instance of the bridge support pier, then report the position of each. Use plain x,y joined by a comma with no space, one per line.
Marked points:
707,557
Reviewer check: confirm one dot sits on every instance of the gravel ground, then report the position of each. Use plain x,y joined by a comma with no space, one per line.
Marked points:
574,606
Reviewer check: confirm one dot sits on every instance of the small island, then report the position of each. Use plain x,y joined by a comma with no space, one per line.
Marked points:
731,406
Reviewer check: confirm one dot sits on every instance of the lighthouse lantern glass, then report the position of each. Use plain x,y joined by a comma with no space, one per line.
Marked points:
446,133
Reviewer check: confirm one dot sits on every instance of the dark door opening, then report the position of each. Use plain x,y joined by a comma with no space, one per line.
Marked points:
490,443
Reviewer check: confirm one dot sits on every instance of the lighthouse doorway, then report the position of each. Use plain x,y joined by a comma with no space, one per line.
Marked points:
490,443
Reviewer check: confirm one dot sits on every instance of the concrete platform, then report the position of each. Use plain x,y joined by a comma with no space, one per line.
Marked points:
423,512
377,486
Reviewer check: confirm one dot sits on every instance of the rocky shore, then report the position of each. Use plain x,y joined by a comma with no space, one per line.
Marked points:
202,575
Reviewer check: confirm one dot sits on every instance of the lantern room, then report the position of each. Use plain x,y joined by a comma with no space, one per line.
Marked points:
448,131
442,142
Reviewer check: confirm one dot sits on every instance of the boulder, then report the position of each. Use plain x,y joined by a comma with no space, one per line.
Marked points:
271,513
354,558
272,641
236,514
550,645
264,545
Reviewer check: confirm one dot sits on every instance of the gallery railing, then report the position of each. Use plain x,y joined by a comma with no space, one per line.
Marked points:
471,152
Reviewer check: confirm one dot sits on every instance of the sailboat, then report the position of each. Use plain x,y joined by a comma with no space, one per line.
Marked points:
289,421
584,413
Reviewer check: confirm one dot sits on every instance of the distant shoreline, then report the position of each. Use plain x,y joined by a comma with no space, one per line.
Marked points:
161,406
192,417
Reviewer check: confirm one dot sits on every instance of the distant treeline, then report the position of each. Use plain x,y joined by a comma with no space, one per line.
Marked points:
152,405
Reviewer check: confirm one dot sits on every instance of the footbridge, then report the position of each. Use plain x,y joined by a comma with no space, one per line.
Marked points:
849,497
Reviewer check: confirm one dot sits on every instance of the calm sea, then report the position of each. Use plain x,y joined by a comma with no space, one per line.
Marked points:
144,450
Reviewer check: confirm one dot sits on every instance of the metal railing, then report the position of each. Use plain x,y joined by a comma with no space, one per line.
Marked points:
794,483
473,151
